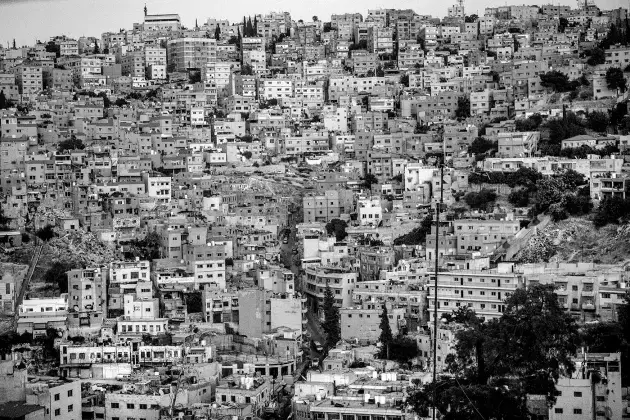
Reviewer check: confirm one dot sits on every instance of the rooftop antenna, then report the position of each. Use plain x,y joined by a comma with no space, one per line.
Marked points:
145,9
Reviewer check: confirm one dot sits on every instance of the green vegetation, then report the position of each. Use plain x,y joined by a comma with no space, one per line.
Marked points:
4,102
481,145
337,227
418,235
519,197
331,324
46,233
612,210
558,81
463,108
481,200
71,144
369,180
615,80
56,274
498,362
386,336
531,123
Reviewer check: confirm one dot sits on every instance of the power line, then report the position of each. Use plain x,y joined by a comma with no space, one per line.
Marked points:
469,400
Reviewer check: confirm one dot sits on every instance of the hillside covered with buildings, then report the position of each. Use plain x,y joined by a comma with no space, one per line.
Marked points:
379,215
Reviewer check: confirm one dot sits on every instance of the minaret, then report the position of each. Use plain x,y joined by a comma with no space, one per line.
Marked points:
145,9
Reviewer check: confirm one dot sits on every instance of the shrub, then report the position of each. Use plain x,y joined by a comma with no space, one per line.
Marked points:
480,200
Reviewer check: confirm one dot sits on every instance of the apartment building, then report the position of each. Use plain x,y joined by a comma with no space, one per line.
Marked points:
207,263
323,208
341,281
593,391
373,260
362,323
483,291
186,53
477,235
245,390
60,398
87,297
30,78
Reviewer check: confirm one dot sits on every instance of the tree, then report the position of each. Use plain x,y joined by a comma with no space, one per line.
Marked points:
563,23
57,274
96,50
499,362
338,228
246,70
519,197
193,302
611,210
615,80
404,80
217,32
46,233
71,144
597,56
480,200
463,107
481,145
572,179
120,102
369,180
250,27
402,349
559,129
4,221
331,319
550,190
471,19
557,81
106,102
418,235
531,123
386,336
4,102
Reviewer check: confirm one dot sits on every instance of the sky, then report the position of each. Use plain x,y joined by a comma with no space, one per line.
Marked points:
29,20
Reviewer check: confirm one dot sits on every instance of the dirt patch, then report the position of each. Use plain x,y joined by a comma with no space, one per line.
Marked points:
577,239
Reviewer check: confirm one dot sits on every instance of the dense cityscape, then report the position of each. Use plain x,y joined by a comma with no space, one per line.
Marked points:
376,216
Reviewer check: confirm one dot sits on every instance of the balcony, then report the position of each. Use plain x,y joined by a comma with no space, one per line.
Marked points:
588,307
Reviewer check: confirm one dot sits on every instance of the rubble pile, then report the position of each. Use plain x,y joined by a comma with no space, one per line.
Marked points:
540,248
576,239
81,247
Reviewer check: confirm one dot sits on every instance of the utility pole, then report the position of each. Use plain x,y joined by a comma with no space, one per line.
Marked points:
438,208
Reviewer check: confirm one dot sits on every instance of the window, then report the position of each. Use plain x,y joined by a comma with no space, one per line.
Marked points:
558,411
577,411
115,405
70,393
70,408
130,406
577,394
143,406
56,397
57,411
